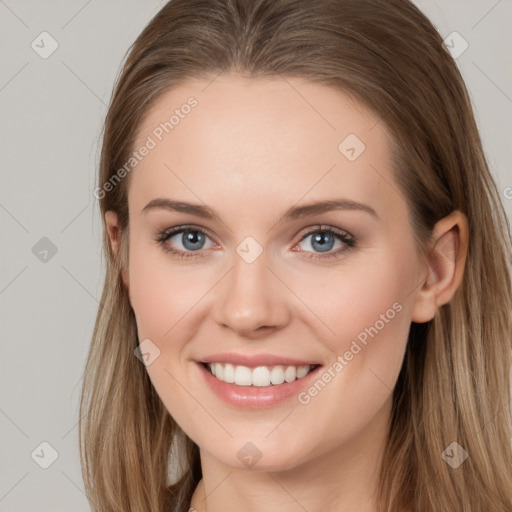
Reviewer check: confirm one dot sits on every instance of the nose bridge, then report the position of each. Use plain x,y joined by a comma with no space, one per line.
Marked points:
250,297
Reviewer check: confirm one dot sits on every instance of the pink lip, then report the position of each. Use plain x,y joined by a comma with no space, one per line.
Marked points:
255,397
252,361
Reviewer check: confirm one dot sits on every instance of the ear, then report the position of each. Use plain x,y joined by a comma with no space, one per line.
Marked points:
446,262
114,234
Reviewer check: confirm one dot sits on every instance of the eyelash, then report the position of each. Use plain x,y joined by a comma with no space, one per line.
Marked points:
349,241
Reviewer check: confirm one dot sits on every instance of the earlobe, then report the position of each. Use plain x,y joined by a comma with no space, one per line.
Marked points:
446,262
126,280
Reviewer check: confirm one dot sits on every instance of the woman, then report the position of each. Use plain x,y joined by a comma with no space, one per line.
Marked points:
307,301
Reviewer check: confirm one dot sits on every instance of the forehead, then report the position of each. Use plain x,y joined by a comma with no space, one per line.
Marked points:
260,137
261,107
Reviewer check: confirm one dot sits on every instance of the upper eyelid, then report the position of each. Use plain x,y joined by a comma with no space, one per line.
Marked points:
187,227
325,227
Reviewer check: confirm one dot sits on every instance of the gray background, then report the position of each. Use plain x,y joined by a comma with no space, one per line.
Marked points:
51,113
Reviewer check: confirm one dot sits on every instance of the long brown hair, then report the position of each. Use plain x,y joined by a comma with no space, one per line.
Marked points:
454,383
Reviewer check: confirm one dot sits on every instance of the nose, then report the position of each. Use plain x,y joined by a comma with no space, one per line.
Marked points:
252,299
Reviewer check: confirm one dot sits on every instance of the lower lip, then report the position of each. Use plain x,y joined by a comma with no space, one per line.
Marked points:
255,397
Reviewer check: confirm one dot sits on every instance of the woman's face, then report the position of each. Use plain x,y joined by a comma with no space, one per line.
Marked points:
263,282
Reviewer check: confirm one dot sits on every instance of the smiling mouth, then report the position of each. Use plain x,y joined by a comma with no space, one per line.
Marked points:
260,376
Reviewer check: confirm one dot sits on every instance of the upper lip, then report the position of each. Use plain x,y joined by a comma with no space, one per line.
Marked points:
255,360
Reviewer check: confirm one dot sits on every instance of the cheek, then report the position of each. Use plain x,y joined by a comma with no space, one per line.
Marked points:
365,320
363,313
163,296
162,293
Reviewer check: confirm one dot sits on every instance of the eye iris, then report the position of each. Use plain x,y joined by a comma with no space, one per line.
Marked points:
320,238
192,237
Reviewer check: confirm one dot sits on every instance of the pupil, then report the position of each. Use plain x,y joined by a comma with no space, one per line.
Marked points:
320,238
193,238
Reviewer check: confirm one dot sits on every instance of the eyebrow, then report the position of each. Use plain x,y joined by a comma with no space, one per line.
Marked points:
295,212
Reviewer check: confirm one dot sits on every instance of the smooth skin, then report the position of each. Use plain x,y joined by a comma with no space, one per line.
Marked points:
250,150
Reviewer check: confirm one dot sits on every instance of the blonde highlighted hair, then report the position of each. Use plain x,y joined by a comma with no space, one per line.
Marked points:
454,383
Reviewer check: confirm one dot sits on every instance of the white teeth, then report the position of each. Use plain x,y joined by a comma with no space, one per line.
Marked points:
261,376
302,371
243,376
229,373
219,371
277,375
290,374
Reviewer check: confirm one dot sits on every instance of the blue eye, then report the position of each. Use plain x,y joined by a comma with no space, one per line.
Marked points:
193,240
324,239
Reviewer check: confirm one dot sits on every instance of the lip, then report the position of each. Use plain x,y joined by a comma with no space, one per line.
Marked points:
255,397
252,361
